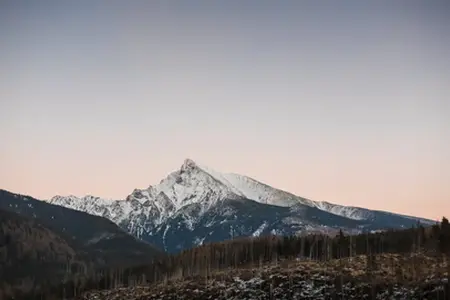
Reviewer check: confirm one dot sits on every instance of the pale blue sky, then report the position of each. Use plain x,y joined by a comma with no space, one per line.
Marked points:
345,102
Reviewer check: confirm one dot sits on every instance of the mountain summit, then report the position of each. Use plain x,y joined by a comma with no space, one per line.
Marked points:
188,164
196,204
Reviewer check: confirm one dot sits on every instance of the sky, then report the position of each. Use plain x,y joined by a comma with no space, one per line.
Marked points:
343,102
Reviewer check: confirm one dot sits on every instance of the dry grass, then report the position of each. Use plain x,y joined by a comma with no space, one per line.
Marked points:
409,276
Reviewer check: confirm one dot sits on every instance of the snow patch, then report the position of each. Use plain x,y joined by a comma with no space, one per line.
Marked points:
260,229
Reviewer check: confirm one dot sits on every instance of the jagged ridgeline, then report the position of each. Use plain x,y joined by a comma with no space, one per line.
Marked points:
196,205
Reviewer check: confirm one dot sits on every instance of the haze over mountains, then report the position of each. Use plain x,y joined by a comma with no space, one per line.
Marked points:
197,204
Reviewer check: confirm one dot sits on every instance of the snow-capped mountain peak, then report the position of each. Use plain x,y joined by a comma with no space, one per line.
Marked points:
246,187
188,164
195,183
196,196
188,185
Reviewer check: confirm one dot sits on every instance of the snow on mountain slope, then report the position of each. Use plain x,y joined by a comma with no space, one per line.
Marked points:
144,209
191,192
93,205
255,190
193,185
189,185
350,212
358,213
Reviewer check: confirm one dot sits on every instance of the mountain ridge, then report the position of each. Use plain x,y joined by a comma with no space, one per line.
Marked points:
193,192
227,180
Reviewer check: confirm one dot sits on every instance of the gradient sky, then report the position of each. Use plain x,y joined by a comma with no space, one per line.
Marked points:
346,102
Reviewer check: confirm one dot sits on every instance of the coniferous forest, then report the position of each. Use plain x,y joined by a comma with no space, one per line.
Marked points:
402,252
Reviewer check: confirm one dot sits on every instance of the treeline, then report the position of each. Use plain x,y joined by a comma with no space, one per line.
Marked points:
256,251
434,240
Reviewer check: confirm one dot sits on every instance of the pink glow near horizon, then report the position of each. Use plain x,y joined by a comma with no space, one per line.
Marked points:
345,106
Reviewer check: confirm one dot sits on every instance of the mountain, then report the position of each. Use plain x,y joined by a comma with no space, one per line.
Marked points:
196,204
98,238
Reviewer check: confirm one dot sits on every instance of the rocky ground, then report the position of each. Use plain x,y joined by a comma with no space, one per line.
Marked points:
393,277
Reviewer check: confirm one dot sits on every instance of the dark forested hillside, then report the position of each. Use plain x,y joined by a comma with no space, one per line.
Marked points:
101,238
31,255
44,246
